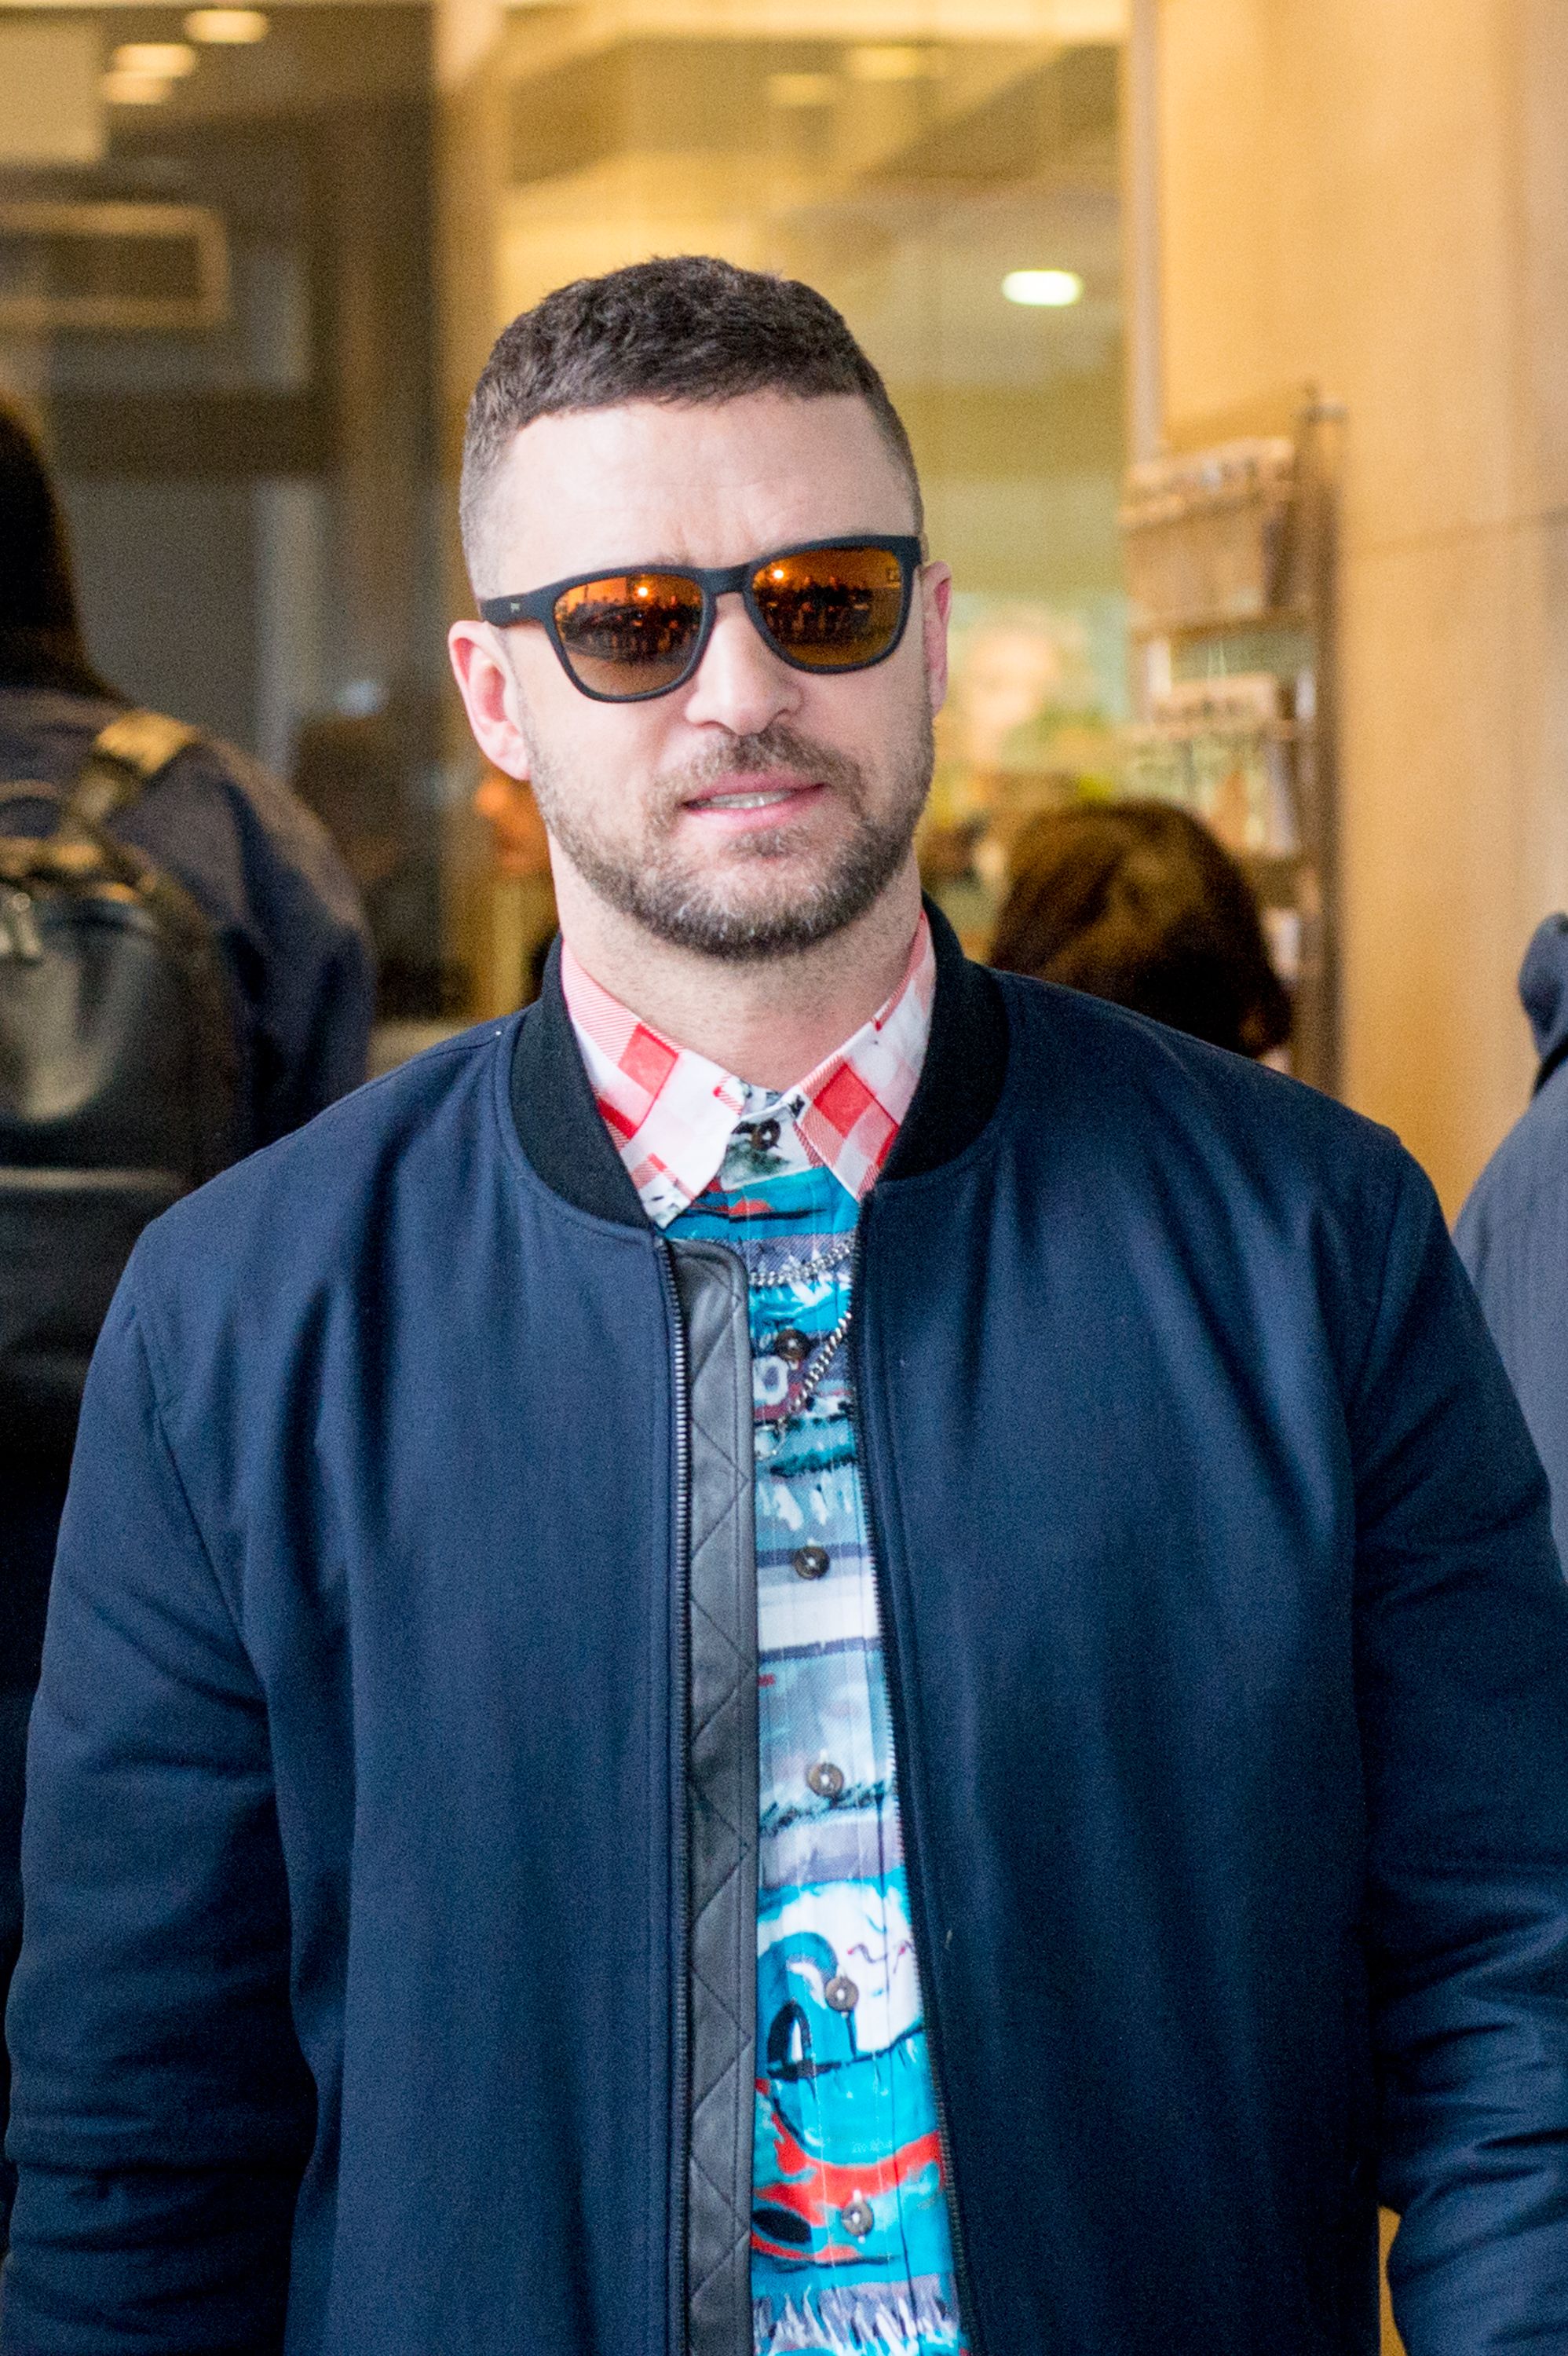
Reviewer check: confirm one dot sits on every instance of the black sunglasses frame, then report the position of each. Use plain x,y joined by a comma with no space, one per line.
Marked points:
539,605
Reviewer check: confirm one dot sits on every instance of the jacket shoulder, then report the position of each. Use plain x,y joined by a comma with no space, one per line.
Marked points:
1073,1056
299,1209
1300,1221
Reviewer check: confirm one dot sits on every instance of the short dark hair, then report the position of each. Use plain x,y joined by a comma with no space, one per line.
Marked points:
686,329
1136,901
40,629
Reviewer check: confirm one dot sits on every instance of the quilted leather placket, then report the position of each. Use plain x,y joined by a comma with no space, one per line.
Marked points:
722,1800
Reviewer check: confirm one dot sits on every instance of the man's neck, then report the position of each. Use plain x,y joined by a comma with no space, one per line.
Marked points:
771,1022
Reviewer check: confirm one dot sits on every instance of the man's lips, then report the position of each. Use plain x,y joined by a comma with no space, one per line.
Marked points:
754,801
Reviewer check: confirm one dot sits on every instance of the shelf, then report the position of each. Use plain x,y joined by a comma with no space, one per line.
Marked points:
1143,732
1285,561
1277,617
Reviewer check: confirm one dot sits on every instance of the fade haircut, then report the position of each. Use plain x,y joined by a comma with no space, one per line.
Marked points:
684,329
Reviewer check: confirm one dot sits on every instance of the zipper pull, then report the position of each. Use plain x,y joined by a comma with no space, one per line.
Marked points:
19,935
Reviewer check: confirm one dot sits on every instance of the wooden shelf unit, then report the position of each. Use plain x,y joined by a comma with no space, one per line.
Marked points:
1230,565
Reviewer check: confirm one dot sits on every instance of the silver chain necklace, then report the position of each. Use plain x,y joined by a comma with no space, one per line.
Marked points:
804,1390
804,1386
826,1262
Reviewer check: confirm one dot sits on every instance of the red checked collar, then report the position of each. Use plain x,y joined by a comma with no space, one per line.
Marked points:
672,1112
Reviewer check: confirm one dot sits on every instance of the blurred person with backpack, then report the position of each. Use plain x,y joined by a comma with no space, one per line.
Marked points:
185,975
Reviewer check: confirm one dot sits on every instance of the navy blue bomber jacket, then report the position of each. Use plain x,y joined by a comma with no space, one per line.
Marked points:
1229,1662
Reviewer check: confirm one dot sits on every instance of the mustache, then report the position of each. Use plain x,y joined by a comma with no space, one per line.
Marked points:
772,751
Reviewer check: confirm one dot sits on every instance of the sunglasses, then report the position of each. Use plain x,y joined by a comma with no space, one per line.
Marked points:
833,605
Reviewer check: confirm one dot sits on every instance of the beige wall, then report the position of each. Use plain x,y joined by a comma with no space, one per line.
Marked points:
1372,198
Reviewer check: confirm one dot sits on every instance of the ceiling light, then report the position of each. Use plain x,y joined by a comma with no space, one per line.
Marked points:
229,28
1043,290
801,88
121,89
895,61
163,61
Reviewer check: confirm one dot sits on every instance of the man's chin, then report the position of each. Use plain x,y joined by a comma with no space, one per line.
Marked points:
719,855
741,927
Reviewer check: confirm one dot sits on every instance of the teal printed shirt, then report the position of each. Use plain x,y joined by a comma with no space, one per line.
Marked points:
850,2243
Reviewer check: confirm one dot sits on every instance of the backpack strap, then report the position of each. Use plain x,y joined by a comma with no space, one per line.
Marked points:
123,758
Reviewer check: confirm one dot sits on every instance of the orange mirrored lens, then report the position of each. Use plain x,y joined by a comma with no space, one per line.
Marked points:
831,609
630,634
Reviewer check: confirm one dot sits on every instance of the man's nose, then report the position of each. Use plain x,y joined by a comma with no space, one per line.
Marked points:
740,684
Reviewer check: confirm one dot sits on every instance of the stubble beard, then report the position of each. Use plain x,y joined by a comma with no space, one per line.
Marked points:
686,906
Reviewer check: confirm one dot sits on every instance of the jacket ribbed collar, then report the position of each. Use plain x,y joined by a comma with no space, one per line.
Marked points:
562,1133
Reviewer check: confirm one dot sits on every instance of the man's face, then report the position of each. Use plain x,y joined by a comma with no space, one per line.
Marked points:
756,809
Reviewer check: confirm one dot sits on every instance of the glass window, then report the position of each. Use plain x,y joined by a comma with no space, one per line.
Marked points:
216,299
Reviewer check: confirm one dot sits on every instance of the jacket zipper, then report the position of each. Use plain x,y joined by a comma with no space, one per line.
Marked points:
920,1923
680,2071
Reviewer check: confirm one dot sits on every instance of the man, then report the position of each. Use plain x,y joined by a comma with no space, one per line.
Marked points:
812,1650
1512,1234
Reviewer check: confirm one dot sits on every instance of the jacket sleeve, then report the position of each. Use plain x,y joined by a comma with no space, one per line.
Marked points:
1462,1667
162,2111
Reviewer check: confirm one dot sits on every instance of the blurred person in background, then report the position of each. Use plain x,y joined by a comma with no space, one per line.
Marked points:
287,916
1136,901
292,943
352,770
1512,1233
348,769
521,851
1021,732
518,837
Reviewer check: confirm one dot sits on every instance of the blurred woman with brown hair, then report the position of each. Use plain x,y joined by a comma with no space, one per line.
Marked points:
1136,901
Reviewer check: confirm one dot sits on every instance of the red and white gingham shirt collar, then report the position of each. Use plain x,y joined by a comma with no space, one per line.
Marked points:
672,1112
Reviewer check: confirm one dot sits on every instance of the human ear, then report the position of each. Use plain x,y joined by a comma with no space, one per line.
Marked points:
935,611
491,697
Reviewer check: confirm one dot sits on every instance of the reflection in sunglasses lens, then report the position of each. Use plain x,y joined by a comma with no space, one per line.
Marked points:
831,609
631,634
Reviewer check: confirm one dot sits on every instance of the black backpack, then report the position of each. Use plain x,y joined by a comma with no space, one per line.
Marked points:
117,1072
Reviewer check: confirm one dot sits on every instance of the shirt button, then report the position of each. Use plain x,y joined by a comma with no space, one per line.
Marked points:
857,2217
810,1562
826,1780
765,1136
842,1993
792,1347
